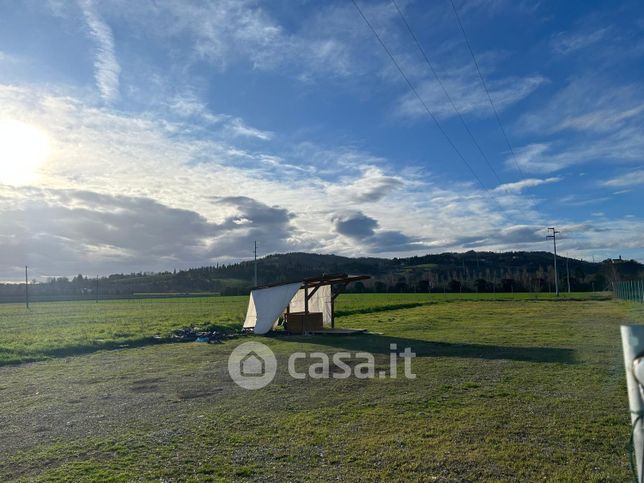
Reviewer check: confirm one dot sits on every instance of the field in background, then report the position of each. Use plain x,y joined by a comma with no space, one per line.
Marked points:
509,387
55,329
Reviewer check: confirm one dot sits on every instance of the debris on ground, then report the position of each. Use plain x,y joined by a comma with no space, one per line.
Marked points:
198,334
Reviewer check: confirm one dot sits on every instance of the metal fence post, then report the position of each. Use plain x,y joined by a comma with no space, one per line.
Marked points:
633,345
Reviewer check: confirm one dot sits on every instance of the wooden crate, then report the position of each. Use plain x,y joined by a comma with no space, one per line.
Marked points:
295,321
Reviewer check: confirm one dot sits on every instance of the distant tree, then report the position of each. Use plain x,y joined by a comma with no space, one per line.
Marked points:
507,285
454,286
423,286
482,285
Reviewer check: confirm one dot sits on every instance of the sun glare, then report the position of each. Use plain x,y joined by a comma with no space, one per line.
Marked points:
23,150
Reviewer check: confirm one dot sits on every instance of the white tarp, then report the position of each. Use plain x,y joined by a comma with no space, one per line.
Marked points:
319,302
266,305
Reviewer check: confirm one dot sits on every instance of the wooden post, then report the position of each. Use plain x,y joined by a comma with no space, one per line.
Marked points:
332,310
306,309
339,290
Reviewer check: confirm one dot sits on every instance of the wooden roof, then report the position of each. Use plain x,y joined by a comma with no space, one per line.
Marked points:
325,279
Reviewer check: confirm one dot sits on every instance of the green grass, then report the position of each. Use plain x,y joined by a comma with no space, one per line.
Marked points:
54,329
508,388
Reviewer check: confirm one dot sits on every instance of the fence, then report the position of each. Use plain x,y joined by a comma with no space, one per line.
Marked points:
632,291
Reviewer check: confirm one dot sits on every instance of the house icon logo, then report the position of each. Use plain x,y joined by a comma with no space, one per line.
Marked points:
252,365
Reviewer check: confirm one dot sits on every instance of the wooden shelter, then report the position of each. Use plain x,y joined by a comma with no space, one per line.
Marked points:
305,320
307,306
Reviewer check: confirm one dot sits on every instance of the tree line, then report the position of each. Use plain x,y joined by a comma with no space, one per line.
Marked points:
446,272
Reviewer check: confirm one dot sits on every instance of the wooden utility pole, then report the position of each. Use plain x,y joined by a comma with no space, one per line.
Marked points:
554,243
26,287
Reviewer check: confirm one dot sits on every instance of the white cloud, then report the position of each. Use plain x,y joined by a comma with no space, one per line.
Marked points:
587,104
160,165
588,120
633,178
467,92
519,186
623,146
372,185
190,107
239,128
568,42
233,32
106,66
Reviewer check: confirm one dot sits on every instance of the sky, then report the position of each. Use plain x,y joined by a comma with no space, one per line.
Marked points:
160,134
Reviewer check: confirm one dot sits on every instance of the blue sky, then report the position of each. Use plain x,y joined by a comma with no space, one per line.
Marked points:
158,134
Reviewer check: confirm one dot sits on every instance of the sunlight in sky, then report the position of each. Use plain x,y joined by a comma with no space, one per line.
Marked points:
24,148
210,125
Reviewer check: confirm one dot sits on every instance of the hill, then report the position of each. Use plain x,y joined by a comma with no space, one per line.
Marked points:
446,272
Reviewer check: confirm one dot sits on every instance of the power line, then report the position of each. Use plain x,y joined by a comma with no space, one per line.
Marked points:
413,89
440,83
489,97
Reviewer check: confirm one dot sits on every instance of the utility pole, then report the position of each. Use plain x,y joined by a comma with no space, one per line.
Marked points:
255,263
567,273
554,243
26,287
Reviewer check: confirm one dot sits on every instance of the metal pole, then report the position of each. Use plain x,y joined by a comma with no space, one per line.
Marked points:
255,263
26,287
633,347
567,274
96,288
554,243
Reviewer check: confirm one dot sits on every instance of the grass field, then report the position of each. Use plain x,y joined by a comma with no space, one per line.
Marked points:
508,387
